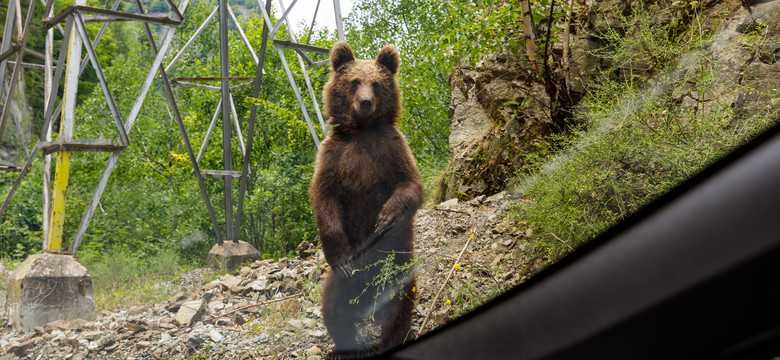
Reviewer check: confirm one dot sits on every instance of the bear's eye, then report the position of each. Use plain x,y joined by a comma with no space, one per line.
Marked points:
355,84
375,85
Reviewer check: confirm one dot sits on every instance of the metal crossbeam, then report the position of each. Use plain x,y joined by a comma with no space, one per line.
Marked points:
221,174
6,166
99,145
107,16
8,53
301,47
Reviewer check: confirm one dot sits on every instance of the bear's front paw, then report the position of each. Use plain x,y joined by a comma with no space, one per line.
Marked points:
384,222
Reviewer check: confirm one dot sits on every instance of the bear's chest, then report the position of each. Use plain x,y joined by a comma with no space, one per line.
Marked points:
365,167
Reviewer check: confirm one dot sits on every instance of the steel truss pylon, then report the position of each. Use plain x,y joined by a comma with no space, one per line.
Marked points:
226,105
69,62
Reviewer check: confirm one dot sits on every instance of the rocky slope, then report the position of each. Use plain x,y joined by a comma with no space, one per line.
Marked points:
271,309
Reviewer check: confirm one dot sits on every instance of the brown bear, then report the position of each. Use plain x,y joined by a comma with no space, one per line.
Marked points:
365,191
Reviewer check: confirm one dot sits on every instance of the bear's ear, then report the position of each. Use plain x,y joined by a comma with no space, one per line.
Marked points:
388,57
340,54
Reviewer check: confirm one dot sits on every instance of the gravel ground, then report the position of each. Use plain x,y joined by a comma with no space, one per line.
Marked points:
271,310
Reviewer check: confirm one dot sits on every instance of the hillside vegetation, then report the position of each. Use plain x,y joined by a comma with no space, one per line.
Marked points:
528,150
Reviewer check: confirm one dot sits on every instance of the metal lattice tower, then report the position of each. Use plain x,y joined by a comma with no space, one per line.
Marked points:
226,106
70,65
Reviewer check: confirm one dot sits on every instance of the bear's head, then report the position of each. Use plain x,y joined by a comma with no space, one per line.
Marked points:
362,93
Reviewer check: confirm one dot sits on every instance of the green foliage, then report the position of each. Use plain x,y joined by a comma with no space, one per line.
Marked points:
754,36
20,230
467,297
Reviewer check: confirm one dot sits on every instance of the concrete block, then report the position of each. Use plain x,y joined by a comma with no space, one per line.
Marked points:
48,287
230,255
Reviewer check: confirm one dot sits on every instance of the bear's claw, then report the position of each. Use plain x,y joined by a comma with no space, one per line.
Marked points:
344,270
382,228
384,223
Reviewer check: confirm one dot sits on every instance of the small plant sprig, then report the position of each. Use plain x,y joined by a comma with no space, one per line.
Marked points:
391,276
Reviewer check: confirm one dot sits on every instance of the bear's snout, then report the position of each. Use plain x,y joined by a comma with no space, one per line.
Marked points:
366,105
364,100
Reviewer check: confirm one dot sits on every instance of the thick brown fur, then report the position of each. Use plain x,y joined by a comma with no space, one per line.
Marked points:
366,187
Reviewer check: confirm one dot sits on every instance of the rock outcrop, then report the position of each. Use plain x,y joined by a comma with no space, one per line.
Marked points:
497,111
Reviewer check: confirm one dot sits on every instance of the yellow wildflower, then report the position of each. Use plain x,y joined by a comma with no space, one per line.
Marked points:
457,266
448,303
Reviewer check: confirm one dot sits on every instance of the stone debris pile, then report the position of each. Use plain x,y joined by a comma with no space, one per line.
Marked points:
268,309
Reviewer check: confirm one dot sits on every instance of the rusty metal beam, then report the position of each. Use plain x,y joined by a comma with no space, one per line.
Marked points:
108,15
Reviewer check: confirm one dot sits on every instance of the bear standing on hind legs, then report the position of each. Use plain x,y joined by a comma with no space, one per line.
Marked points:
365,191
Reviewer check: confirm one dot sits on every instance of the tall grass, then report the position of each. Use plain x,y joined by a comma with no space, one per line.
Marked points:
123,278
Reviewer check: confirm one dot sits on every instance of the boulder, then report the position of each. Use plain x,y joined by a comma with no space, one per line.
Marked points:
190,312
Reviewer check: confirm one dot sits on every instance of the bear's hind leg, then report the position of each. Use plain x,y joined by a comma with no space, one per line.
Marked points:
341,317
396,320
